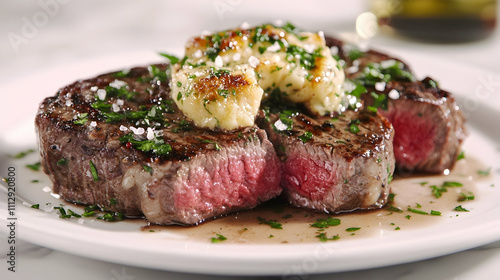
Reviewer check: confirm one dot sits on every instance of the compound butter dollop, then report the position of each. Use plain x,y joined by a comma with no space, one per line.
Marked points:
224,76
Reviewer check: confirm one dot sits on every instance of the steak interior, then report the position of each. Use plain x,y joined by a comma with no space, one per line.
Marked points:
335,164
429,126
179,174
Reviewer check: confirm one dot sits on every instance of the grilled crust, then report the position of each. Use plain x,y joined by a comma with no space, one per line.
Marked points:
337,169
121,182
420,102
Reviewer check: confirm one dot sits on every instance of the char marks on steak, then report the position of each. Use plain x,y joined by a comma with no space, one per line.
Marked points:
334,164
176,173
429,127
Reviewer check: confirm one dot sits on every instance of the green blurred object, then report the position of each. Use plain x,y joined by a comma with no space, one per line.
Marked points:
437,20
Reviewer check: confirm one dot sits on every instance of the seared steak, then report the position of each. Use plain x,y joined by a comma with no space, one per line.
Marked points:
97,149
429,127
334,164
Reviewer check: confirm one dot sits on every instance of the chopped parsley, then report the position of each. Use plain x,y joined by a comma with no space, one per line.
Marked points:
24,153
173,59
35,206
156,146
352,229
93,171
438,191
148,169
112,217
216,146
461,156
34,166
323,238
62,161
306,136
465,197
271,223
219,238
484,172
325,223
82,119
459,208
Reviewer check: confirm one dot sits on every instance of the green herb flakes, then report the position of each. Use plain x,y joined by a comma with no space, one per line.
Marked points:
352,229
62,161
24,153
35,206
461,156
484,172
271,223
173,59
325,223
34,166
148,169
306,136
323,238
93,171
459,208
81,119
219,238
465,197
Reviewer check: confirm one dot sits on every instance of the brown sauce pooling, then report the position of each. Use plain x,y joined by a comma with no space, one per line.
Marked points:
411,192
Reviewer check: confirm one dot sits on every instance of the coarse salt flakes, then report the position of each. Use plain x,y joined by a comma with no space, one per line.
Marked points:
94,88
253,61
393,94
93,124
101,94
150,135
218,61
123,128
69,103
137,131
120,102
115,107
197,54
380,86
117,84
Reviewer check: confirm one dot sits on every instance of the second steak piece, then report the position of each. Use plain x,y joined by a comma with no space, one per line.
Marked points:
334,164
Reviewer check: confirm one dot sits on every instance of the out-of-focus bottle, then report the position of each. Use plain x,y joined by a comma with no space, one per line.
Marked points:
437,20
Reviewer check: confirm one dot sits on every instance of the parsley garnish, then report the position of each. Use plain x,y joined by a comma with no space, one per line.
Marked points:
82,119
23,154
156,145
323,238
459,208
351,229
306,136
219,238
93,171
325,223
271,223
62,161
465,197
148,169
34,166
484,172
173,59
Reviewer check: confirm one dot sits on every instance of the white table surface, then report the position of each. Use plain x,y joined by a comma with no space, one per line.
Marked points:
74,31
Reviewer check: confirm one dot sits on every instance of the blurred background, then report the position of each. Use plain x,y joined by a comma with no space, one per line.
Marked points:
52,36
41,34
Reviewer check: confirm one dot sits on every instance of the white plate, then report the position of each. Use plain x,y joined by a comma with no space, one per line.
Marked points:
125,243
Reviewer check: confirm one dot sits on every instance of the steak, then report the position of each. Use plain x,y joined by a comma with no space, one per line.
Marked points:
334,164
429,126
118,141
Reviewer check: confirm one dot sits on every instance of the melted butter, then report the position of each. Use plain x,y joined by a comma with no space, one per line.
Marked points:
409,192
